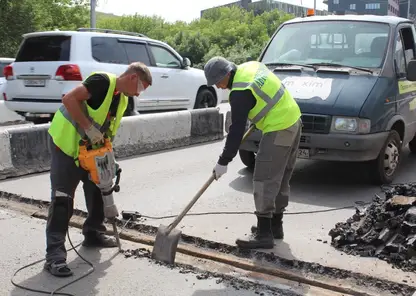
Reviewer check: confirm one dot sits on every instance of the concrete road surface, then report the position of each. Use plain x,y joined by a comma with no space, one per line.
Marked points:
162,183
23,243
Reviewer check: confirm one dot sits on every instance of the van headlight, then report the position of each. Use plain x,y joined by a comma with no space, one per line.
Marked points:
352,125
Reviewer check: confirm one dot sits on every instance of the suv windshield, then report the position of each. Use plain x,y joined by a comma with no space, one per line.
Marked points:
354,44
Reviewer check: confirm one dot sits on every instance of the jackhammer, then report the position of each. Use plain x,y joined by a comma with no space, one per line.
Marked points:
100,163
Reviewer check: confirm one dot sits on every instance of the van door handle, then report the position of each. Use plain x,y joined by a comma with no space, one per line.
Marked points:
164,76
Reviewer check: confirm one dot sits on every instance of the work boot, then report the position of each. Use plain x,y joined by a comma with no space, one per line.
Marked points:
277,226
262,238
99,240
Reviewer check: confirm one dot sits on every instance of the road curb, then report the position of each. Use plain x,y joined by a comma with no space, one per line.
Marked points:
25,150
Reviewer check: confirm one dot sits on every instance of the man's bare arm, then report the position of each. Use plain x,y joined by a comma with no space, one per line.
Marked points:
73,101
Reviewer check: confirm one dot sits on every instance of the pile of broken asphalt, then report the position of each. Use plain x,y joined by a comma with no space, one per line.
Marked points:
385,229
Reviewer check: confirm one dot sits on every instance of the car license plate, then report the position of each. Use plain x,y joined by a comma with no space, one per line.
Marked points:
303,153
34,83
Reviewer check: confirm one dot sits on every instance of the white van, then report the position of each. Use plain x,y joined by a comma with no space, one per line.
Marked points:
49,64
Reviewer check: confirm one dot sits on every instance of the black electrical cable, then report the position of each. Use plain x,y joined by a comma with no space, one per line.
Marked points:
357,203
66,285
59,288
55,292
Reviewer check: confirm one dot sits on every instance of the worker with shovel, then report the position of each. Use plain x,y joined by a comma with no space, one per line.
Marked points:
258,95
91,110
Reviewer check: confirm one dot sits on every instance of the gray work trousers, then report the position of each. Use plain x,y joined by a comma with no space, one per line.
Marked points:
275,162
65,177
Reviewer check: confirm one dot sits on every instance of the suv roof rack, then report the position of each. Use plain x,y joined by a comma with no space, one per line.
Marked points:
110,31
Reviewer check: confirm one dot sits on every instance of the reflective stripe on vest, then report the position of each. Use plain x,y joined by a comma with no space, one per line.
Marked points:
271,102
275,108
81,131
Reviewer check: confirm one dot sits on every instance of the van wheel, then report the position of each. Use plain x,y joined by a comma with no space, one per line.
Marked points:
412,145
205,99
385,166
248,158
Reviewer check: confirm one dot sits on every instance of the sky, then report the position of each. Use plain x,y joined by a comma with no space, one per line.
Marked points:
173,10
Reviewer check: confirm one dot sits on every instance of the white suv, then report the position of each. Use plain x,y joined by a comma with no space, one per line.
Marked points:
50,64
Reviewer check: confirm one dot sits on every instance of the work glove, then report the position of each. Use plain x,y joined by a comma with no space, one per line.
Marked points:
94,135
219,170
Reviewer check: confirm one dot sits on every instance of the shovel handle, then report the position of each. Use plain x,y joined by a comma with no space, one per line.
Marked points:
190,205
248,132
200,192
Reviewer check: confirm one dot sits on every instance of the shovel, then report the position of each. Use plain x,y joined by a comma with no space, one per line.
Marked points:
167,238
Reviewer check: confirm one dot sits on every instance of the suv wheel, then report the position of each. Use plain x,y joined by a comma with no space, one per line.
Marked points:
130,108
205,99
385,167
248,158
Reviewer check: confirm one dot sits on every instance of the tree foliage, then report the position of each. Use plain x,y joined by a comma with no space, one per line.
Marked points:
24,16
232,32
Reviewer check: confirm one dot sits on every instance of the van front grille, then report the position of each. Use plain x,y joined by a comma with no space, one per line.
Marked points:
316,124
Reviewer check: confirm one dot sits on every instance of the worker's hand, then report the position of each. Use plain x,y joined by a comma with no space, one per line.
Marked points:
219,170
94,135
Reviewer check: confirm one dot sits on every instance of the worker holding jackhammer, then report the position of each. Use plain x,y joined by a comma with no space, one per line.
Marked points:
258,95
92,110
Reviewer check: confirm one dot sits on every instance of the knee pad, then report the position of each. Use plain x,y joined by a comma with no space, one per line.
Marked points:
60,212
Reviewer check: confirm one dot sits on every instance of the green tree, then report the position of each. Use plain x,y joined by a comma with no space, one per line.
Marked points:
18,17
232,32
25,16
61,14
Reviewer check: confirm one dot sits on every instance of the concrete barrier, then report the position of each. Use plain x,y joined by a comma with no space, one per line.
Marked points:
25,150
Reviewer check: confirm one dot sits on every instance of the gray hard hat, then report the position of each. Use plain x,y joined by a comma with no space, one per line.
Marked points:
216,69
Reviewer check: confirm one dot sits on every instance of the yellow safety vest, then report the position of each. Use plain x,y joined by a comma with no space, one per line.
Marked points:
275,107
66,133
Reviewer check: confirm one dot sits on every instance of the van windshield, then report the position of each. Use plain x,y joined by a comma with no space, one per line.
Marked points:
354,44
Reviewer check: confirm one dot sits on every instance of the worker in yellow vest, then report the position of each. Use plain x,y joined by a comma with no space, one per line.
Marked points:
258,95
90,110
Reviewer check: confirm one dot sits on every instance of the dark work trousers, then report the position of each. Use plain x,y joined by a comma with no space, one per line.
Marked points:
275,162
65,177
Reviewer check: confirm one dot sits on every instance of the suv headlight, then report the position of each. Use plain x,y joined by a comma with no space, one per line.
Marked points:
351,125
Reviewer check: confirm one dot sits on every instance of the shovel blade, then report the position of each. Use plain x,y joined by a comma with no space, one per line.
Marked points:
166,244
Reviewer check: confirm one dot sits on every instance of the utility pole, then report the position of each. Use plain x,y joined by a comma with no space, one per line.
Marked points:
408,9
93,3
314,5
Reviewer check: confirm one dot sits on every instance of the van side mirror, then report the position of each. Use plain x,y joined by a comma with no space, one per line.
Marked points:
411,70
